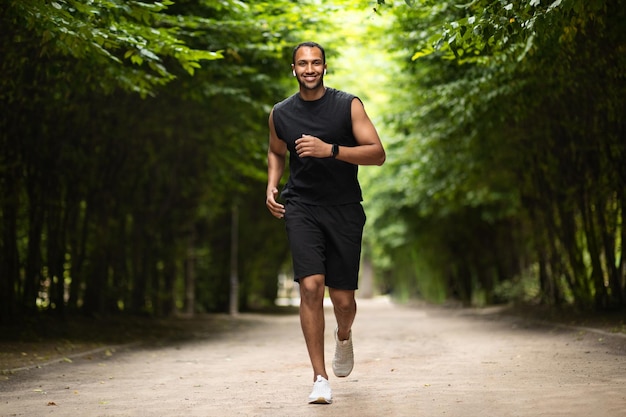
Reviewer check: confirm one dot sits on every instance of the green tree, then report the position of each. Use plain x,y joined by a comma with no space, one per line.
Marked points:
510,160
127,131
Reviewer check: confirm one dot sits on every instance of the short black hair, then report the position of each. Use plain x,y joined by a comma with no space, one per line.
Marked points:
310,45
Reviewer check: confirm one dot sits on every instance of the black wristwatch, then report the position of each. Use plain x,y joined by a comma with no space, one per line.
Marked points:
335,151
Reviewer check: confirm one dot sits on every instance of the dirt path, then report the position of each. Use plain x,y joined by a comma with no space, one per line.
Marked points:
409,362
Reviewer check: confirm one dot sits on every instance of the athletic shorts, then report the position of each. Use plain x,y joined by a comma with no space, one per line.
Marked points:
326,240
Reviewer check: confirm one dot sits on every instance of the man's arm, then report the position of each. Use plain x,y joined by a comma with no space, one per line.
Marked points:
369,150
276,154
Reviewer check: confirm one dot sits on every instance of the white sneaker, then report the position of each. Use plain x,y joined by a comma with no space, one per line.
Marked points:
321,393
343,362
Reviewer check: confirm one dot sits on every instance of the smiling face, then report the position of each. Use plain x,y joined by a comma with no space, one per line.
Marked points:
309,68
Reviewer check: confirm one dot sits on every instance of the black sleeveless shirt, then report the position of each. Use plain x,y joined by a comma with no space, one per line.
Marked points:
318,181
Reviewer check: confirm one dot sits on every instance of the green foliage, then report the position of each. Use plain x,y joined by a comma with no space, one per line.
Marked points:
500,29
125,140
131,34
129,129
508,154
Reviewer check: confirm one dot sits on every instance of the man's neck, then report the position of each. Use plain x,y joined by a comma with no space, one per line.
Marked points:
314,94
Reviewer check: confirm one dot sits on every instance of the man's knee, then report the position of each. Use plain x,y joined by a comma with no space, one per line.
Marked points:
312,287
343,300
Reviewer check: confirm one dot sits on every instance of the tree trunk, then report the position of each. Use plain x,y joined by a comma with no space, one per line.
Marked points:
79,227
32,279
190,274
9,257
234,274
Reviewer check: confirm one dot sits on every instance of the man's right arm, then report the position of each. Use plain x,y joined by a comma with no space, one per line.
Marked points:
276,154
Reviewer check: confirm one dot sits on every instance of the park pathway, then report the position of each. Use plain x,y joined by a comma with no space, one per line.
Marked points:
418,361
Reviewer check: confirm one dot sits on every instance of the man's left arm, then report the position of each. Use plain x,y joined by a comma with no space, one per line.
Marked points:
369,150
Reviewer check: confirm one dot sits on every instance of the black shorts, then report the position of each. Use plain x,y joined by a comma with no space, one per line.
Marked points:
326,240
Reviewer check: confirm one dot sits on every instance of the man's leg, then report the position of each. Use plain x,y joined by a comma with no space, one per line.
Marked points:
344,305
312,321
345,312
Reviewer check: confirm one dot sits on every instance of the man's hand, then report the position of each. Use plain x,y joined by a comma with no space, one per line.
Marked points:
309,145
277,209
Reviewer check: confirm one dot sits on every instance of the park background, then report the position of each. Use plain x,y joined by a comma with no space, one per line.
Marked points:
133,140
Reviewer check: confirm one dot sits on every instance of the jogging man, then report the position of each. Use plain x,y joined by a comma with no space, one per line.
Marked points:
328,135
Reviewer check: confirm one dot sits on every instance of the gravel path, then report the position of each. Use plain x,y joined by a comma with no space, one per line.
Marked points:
409,362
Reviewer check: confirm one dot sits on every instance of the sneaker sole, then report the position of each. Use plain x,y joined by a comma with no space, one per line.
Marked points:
321,400
342,375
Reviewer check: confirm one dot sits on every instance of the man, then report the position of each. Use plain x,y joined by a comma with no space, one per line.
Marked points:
328,134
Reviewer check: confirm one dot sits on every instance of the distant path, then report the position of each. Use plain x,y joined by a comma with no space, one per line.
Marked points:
409,362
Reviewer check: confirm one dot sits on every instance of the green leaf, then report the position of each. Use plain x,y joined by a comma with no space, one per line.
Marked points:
424,52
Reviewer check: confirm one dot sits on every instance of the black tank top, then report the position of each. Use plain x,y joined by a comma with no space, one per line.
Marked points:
318,181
